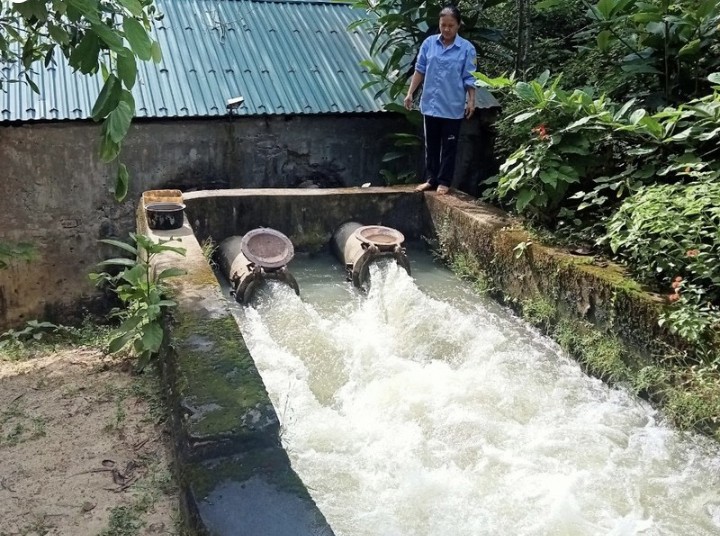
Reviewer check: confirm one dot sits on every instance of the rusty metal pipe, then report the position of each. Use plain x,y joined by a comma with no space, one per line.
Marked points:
357,246
247,264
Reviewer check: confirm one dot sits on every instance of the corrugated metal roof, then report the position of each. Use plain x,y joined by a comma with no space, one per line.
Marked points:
293,57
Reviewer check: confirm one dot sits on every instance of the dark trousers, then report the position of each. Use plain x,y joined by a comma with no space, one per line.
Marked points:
441,140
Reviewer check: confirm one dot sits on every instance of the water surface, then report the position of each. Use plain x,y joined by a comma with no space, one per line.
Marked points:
421,409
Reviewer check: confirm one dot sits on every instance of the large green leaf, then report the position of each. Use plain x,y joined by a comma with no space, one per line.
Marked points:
119,342
706,8
523,199
122,245
171,272
58,34
549,177
32,9
86,7
156,52
120,261
138,38
107,99
605,8
127,67
133,6
122,182
525,91
603,40
118,121
108,36
525,116
638,68
109,149
690,49
85,56
152,337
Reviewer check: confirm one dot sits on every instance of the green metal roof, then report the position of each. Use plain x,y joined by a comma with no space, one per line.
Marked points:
282,57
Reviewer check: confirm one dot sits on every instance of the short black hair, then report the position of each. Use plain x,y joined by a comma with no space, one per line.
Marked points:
452,10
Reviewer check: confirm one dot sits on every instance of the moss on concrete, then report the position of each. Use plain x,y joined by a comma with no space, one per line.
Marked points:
218,382
201,278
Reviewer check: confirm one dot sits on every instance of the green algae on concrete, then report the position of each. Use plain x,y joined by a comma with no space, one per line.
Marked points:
221,403
220,391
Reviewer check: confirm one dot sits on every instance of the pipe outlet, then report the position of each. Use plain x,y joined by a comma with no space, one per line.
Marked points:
357,246
249,260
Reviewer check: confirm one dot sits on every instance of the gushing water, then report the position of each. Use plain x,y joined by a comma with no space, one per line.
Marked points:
416,411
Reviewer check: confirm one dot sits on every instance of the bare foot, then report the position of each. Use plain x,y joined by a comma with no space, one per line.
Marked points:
424,187
443,190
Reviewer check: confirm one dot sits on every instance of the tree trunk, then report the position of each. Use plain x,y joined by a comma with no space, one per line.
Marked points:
523,36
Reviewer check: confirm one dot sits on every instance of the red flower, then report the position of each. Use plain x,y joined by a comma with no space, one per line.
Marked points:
541,131
692,252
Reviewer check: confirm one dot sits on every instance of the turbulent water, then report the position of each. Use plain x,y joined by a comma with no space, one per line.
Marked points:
420,409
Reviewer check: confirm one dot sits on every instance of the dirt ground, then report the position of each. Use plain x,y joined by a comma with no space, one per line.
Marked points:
83,448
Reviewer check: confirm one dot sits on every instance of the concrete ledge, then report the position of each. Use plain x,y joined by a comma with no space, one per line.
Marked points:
307,216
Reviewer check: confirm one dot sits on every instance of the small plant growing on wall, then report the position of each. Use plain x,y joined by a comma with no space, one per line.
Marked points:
142,291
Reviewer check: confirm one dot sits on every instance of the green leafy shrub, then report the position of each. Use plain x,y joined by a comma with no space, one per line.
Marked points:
669,234
142,290
670,230
588,153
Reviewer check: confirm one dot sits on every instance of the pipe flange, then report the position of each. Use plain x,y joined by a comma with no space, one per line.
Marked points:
267,248
383,238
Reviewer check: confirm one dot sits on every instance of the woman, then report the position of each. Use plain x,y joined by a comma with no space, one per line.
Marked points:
445,65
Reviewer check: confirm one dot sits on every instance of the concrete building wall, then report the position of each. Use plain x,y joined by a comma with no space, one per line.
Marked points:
55,193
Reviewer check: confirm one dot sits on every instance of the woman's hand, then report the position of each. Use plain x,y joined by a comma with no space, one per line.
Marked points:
469,110
408,102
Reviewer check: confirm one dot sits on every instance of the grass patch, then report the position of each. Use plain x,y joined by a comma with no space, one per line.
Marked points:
124,521
17,426
148,387
602,354
540,312
41,338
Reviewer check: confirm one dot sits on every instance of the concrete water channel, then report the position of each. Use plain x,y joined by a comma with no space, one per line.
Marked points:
418,407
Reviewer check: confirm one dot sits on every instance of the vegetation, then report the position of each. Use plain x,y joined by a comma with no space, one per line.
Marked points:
37,338
95,37
142,290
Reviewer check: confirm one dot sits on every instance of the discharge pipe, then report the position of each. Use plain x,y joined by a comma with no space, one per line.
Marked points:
255,257
357,246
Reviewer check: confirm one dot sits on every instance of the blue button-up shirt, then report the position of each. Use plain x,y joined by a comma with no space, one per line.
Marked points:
448,72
